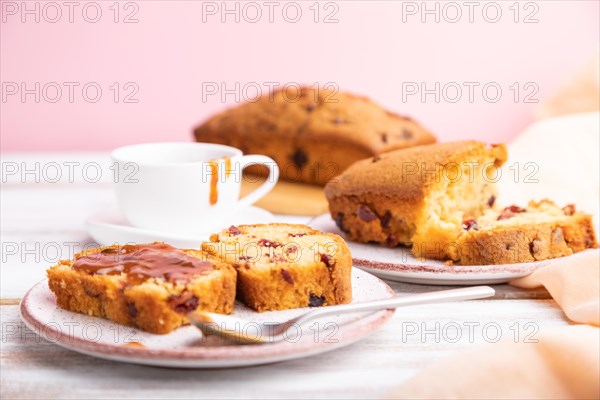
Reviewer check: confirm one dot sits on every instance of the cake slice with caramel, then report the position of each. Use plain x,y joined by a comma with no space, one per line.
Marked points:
150,286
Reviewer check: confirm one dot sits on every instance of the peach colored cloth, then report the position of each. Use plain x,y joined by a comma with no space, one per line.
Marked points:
574,283
563,364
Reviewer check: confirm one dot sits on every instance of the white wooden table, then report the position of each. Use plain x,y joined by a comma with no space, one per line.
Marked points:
43,221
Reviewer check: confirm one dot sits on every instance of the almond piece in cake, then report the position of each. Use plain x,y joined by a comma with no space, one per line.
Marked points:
150,286
283,266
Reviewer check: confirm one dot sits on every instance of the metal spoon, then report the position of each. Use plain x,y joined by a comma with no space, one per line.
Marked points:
243,331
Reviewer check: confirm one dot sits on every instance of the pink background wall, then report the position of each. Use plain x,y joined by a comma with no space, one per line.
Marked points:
170,52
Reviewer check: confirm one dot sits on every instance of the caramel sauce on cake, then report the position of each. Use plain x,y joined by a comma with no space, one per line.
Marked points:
142,262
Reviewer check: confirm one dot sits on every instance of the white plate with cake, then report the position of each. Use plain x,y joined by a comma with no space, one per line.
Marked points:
130,303
186,347
429,214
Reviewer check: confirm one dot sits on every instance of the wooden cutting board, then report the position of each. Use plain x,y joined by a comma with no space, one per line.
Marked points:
289,198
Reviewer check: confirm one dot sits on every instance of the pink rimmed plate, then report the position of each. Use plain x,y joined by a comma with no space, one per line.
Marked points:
187,348
399,264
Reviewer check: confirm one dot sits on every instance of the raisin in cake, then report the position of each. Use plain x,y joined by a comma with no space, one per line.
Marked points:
515,234
282,266
419,195
313,133
150,286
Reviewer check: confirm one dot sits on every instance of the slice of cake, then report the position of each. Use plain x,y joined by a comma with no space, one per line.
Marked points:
418,195
514,235
150,286
282,266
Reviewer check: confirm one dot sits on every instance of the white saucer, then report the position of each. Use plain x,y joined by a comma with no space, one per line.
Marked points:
109,227
399,264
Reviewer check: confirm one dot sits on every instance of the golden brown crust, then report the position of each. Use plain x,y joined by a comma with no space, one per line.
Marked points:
409,174
384,199
283,266
315,134
151,305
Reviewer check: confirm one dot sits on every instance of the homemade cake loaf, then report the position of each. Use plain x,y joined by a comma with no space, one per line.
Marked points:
150,286
421,194
312,133
282,266
514,235
440,199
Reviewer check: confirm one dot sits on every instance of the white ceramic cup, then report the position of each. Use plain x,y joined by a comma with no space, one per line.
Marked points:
184,187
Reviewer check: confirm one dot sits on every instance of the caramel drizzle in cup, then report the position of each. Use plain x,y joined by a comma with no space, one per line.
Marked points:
214,179
227,167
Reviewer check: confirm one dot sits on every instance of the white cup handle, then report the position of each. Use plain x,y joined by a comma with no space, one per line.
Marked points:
267,186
